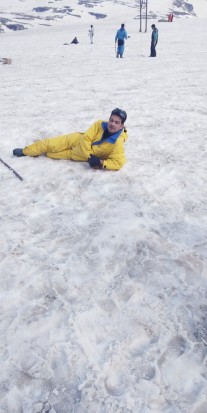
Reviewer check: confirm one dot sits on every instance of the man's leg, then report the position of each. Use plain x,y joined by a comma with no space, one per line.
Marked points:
54,146
59,155
153,51
121,51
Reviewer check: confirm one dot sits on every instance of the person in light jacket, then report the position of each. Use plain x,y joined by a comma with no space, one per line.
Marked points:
102,145
91,33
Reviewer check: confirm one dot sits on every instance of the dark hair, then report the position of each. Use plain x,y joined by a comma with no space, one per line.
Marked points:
122,25
153,25
120,113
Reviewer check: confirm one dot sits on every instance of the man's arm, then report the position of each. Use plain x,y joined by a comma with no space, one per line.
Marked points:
155,37
114,162
84,149
116,158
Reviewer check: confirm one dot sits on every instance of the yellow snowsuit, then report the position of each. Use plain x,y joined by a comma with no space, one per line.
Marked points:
78,147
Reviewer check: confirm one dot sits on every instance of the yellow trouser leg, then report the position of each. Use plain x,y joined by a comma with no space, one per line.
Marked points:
54,146
59,155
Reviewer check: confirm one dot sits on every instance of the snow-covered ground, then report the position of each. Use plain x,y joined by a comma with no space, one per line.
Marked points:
103,274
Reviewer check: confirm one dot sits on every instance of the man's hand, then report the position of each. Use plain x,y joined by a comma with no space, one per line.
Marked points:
95,162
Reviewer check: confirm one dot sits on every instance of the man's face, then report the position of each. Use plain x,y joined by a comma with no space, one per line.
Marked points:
114,124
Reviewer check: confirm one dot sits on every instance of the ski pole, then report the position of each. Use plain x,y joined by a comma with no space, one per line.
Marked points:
11,169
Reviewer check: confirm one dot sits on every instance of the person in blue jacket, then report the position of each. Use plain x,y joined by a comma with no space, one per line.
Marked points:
121,35
154,40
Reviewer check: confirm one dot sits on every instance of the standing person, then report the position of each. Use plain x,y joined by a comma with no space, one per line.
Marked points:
102,145
121,35
154,40
91,33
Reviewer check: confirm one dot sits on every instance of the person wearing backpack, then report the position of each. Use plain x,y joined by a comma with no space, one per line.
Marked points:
121,35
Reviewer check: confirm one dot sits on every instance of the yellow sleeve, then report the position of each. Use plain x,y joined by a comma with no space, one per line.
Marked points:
114,163
89,137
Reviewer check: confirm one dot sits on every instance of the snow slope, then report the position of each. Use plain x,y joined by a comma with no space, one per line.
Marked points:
103,274
30,13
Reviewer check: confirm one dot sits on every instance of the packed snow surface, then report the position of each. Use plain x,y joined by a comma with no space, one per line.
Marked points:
103,274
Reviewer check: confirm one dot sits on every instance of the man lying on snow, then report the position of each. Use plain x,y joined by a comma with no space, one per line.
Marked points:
102,145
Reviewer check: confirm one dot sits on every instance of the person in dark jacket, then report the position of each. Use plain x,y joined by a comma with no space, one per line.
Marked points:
75,41
154,40
121,35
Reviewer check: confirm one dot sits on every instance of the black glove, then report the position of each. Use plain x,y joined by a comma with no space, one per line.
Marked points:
94,162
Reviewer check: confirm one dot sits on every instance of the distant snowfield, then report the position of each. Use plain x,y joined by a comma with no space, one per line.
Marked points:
103,274
200,7
23,11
